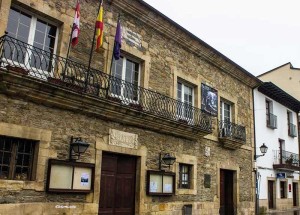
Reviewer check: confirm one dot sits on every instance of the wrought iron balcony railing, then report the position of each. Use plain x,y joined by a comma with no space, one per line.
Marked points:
26,59
271,120
231,130
285,157
292,130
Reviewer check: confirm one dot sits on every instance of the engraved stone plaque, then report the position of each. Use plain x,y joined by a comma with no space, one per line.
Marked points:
132,37
123,139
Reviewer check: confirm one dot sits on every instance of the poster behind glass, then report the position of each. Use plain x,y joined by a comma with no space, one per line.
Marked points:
209,101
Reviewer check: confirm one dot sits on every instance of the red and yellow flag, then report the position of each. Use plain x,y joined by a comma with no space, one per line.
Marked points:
99,28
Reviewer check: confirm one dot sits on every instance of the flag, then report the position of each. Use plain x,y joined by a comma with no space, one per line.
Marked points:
118,42
99,28
75,29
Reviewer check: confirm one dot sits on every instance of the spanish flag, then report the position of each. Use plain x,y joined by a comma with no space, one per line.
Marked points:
99,28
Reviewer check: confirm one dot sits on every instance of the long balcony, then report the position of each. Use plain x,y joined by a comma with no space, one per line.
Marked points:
271,121
21,58
284,160
292,130
232,136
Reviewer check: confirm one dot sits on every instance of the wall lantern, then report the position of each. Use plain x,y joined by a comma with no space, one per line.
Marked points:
77,147
166,159
263,149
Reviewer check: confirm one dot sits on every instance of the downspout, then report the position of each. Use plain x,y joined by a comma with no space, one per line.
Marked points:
254,157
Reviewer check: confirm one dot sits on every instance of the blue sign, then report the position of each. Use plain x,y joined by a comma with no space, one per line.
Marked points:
280,175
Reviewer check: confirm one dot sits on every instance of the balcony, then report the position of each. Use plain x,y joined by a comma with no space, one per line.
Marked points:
112,97
232,136
271,121
284,160
292,130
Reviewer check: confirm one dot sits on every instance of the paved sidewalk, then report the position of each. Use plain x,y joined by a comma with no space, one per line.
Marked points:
295,211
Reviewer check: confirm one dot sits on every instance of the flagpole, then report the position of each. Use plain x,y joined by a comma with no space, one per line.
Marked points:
112,56
68,52
91,52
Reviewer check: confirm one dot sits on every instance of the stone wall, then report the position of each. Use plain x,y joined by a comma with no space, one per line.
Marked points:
164,59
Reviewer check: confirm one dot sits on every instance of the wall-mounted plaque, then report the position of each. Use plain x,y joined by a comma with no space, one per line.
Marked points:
160,183
207,179
72,177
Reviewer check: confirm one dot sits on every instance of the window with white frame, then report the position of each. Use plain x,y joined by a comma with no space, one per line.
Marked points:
225,111
39,39
127,73
225,117
185,94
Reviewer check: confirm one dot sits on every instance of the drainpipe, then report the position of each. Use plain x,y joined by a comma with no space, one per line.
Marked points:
254,159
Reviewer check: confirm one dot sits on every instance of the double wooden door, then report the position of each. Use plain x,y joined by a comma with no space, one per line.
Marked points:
117,191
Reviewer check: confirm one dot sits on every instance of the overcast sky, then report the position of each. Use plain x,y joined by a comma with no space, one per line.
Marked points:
258,35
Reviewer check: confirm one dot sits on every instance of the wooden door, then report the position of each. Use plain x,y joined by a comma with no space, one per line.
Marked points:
117,189
295,194
226,193
271,194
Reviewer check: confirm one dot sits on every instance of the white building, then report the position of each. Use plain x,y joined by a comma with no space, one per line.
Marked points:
276,117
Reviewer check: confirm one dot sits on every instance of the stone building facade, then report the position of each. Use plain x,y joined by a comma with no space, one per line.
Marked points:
44,104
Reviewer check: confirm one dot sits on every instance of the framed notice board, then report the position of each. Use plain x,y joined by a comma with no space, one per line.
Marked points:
160,183
70,177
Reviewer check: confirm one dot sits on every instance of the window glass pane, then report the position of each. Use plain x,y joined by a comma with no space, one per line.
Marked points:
50,41
11,28
179,91
117,68
51,30
23,33
39,37
41,26
5,157
25,19
18,25
14,14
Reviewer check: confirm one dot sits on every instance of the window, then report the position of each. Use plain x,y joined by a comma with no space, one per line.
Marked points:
34,32
127,74
225,112
185,176
291,126
283,189
17,158
271,119
185,94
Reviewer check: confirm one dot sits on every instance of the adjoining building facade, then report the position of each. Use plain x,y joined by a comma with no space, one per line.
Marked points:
170,95
276,117
286,77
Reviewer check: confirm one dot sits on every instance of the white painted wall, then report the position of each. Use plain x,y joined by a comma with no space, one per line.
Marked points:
271,137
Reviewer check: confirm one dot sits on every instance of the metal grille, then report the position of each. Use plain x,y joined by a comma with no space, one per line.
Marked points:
285,157
232,130
271,120
292,130
16,158
69,74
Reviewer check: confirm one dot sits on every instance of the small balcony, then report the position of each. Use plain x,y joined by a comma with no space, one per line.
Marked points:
284,160
271,121
292,130
232,136
147,108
